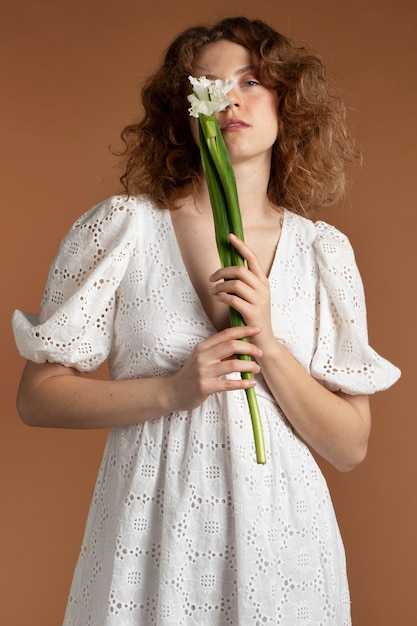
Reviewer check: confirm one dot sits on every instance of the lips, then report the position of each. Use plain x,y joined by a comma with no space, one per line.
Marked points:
234,124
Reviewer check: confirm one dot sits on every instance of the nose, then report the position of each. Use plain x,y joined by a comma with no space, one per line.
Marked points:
233,96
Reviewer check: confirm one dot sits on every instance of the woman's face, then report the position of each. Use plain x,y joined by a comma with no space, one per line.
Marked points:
250,123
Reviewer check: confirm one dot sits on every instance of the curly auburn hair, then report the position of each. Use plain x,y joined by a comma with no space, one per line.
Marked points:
313,144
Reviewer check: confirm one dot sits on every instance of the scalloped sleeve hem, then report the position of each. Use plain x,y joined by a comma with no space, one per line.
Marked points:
45,343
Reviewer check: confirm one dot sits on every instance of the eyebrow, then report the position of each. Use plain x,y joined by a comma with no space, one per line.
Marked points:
242,70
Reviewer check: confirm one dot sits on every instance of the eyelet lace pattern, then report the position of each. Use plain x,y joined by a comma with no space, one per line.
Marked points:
184,528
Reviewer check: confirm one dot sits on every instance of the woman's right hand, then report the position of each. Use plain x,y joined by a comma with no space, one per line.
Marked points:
211,360
55,396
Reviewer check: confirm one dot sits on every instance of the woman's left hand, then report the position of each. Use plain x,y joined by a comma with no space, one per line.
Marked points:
306,403
246,289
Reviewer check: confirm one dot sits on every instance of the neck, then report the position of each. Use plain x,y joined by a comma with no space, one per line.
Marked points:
252,186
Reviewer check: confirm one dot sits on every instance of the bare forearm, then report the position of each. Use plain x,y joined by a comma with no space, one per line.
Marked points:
335,425
55,397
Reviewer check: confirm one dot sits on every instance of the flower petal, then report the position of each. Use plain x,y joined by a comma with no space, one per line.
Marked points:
209,95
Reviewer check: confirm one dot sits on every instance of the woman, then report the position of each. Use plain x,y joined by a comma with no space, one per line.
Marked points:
185,527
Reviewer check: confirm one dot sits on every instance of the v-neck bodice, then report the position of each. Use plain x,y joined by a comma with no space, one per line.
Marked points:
177,252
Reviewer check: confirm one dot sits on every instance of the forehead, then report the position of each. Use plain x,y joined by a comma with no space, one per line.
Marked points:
222,59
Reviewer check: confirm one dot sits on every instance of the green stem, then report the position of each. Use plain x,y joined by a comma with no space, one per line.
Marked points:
256,424
217,197
227,218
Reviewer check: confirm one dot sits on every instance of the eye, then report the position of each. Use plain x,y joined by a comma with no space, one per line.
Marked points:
251,82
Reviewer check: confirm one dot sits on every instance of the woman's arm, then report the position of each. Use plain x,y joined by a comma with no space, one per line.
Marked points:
52,395
335,425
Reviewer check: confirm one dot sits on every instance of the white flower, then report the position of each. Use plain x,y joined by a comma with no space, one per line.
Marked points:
209,95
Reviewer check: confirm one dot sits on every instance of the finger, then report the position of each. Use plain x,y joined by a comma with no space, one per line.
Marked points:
229,349
237,366
252,274
241,305
235,287
247,253
231,333
235,272
235,384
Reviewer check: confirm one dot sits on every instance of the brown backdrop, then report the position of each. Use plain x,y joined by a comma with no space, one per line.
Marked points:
70,77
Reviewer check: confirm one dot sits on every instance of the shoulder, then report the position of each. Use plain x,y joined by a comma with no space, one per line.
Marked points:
321,237
109,231
335,256
114,211
111,222
329,239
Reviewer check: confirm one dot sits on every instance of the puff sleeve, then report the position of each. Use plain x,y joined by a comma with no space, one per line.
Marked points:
75,326
343,359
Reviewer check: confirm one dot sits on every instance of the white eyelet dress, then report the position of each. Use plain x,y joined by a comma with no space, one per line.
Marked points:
185,529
